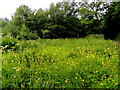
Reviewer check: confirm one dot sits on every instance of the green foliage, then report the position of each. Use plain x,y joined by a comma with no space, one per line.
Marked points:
62,63
26,34
97,36
10,43
118,37
39,22
0,30
92,17
73,19
22,15
0,22
61,20
19,32
31,36
112,21
64,20
4,22
91,62
11,29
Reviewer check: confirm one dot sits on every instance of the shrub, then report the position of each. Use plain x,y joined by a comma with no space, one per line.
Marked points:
26,34
11,29
118,37
10,43
97,36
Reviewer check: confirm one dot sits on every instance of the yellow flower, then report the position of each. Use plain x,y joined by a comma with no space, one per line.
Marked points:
96,71
75,77
76,73
82,80
66,80
113,80
36,72
98,66
3,48
103,63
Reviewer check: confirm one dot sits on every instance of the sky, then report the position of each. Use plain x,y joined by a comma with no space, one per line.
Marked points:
8,7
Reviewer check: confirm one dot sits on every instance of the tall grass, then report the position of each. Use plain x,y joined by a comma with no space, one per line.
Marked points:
62,63
0,57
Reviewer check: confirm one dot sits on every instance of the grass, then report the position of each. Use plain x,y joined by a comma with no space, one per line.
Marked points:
0,58
61,63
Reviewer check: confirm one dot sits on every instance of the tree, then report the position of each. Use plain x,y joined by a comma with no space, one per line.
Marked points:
11,29
112,19
91,16
22,16
24,19
63,21
39,21
4,22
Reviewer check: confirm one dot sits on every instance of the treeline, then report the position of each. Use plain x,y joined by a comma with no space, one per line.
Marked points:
65,20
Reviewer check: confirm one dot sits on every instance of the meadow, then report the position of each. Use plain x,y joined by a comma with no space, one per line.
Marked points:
60,63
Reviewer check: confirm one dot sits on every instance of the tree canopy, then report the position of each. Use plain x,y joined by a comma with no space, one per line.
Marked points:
112,19
65,20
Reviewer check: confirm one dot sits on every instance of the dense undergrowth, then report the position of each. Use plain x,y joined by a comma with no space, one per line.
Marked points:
60,63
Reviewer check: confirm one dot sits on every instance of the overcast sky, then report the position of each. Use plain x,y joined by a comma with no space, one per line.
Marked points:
8,7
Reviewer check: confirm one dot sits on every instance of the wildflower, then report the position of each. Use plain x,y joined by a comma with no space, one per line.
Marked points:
66,80
14,67
3,48
113,80
82,80
93,56
103,63
17,69
36,72
96,71
76,73
75,77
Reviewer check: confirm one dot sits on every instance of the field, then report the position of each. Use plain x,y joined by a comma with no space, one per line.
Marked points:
61,63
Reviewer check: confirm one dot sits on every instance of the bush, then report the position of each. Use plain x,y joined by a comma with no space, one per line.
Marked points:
28,36
97,36
10,43
32,36
11,29
118,37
